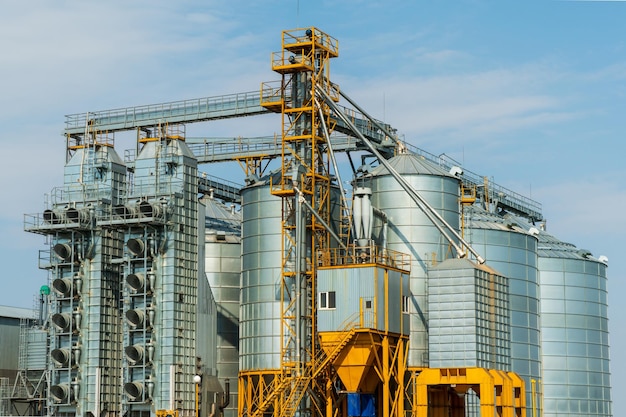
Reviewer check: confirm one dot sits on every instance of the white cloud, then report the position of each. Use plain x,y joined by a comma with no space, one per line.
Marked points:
473,105
586,209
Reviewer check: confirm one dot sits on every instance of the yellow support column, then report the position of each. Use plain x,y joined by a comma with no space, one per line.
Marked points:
386,376
498,391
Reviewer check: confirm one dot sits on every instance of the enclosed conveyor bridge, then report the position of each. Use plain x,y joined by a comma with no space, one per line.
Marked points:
203,110
248,104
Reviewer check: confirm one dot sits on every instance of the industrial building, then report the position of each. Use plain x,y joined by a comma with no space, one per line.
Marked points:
422,289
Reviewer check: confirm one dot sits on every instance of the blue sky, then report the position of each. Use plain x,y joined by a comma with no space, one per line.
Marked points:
530,93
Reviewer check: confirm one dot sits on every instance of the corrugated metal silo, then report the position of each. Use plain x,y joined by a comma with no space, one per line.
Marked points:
469,316
410,231
261,258
223,270
512,251
574,330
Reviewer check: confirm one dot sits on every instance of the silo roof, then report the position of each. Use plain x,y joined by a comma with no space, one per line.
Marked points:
219,217
410,164
479,218
17,312
550,246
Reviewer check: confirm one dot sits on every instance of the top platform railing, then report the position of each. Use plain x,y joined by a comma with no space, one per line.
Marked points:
505,197
308,37
184,111
248,104
197,110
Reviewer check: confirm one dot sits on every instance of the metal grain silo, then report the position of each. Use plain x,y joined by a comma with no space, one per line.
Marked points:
574,330
223,270
411,231
512,251
260,321
261,258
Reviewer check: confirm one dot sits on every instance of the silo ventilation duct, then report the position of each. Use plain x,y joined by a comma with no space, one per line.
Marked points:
125,211
61,357
53,216
62,251
362,213
62,286
136,246
138,282
135,317
134,353
75,215
61,392
149,210
134,390
62,321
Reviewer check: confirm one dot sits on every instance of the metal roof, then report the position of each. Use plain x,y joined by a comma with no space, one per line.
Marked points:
17,312
411,164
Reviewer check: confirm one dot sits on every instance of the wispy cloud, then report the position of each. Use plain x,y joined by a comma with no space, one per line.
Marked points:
586,208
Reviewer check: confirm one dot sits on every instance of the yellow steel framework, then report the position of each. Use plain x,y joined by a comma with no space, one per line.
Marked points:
303,64
468,197
440,392
91,138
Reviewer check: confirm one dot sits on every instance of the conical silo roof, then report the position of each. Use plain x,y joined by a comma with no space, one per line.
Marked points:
221,218
411,164
479,218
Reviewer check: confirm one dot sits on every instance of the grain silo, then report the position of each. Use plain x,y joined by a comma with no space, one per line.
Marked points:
512,251
574,330
410,231
223,268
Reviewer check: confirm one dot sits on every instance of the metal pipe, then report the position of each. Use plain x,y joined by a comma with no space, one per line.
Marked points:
97,393
172,386
319,218
297,275
226,398
371,119
428,210
331,153
412,193
385,220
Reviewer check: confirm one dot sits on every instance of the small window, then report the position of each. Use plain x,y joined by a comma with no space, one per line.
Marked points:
405,304
327,300
368,304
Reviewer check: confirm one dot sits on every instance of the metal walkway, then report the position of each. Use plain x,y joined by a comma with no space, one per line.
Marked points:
194,111
248,104
208,150
506,198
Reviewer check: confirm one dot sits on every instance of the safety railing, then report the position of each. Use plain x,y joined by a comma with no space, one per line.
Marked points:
371,254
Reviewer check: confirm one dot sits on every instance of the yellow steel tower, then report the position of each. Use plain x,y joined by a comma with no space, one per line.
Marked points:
303,64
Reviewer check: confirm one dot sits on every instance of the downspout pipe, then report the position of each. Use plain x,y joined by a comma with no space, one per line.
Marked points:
428,210
383,216
319,218
226,399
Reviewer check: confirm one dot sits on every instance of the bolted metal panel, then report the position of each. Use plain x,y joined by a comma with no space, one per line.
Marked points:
468,316
161,318
511,250
364,297
85,306
574,330
261,244
36,348
223,270
410,231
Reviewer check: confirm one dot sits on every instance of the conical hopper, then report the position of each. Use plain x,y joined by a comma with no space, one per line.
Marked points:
352,355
